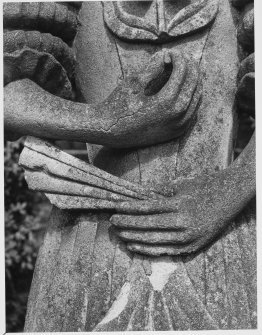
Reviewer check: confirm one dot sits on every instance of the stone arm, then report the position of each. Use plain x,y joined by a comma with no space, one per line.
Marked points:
128,117
198,213
39,83
201,207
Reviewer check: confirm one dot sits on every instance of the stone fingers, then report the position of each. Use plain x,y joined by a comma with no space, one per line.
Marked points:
170,84
146,207
145,222
176,95
158,250
149,78
170,79
177,77
188,106
155,237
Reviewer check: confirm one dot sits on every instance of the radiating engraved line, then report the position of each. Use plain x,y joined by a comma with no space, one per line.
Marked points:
167,311
149,322
226,280
193,286
196,296
92,267
129,326
69,281
243,272
112,271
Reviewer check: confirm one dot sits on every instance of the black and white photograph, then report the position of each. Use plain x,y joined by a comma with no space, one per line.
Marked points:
129,166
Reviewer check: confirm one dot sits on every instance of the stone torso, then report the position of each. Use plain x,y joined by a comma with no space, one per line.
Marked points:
108,39
97,284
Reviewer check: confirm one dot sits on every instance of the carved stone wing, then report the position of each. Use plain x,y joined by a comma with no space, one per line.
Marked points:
70,183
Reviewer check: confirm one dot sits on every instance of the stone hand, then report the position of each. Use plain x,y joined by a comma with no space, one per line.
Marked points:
152,107
191,219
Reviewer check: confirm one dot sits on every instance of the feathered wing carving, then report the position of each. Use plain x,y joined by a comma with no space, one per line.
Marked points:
70,183
39,67
37,44
190,19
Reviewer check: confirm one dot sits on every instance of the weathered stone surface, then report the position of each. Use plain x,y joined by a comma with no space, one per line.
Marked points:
41,57
76,4
208,290
246,94
190,160
240,3
245,31
62,171
50,17
20,39
37,66
247,66
39,181
178,231
132,108
43,156
192,217
64,274
246,76
130,303
156,301
155,26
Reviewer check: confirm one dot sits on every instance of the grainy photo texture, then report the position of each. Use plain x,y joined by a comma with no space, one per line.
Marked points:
130,165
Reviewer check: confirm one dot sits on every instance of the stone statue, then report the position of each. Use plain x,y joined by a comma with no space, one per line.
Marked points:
158,231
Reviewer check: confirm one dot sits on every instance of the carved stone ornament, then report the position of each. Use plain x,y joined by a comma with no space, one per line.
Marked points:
158,20
70,183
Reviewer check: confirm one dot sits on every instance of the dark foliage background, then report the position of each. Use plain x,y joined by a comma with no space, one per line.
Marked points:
25,216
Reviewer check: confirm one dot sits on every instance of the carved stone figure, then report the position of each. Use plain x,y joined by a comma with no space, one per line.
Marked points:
158,231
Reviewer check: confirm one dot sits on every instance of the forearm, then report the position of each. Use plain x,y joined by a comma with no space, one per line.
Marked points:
235,186
244,169
30,110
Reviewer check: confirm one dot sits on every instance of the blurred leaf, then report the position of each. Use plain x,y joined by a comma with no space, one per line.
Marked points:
21,244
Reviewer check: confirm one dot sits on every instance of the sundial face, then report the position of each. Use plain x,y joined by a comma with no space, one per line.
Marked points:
158,20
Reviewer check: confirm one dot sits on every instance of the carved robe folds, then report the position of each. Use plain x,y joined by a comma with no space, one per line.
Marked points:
85,279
